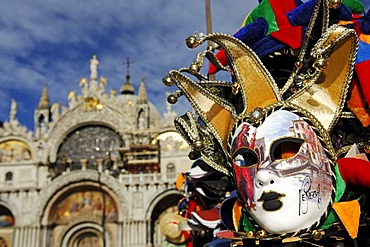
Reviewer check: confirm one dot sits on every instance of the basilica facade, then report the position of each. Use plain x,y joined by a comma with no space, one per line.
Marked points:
99,171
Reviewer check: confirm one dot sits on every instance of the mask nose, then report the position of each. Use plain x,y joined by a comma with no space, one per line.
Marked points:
265,178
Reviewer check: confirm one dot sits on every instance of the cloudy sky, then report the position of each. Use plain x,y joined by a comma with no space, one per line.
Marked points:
52,41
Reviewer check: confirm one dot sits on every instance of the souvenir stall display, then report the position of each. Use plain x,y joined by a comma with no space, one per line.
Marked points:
281,146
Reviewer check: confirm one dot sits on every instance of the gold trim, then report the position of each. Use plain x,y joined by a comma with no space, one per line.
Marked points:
325,94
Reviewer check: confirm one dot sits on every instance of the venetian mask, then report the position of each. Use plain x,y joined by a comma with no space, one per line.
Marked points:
281,160
283,175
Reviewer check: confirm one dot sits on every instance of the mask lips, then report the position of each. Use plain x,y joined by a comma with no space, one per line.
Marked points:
271,200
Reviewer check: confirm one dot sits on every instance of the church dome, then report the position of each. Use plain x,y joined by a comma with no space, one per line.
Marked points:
127,87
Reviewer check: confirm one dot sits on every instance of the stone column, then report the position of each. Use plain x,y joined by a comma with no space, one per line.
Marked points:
100,164
69,165
83,164
115,164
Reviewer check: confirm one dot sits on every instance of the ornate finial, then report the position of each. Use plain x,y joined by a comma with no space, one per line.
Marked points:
128,63
127,87
103,80
94,68
83,82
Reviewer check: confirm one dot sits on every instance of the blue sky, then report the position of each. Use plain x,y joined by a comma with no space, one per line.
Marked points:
53,41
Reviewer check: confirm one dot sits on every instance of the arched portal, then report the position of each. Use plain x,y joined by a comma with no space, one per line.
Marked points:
88,234
87,238
81,214
6,217
3,242
7,222
166,204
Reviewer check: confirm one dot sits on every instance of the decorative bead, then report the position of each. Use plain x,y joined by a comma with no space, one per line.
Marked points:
293,90
306,82
367,149
335,4
319,51
235,88
257,114
167,81
250,234
298,64
261,234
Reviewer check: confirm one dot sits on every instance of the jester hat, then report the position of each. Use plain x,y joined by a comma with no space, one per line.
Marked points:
316,91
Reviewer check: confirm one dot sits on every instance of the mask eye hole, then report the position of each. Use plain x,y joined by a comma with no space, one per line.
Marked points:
245,157
285,148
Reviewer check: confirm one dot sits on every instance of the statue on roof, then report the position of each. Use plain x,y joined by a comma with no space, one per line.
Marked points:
13,110
94,68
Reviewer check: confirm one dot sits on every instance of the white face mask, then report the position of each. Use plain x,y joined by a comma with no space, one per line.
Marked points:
282,172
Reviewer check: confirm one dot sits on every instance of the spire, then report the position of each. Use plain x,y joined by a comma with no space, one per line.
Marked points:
142,97
127,87
44,101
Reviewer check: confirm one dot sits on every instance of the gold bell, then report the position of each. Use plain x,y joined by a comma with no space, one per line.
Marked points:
197,145
334,4
172,99
317,235
320,64
194,68
192,41
167,81
192,155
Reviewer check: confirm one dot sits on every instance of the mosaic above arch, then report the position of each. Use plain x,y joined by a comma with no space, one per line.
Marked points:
88,202
14,151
